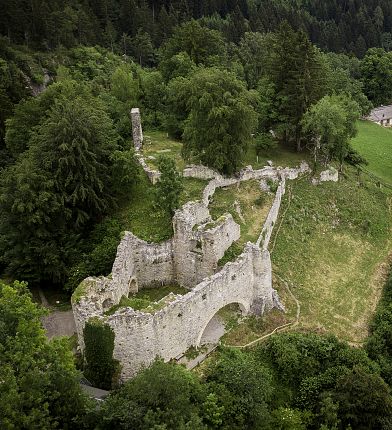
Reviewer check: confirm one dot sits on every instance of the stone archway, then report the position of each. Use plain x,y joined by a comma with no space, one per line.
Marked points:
214,327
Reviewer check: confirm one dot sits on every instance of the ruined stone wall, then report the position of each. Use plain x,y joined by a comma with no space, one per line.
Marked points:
137,132
189,259
199,172
140,337
198,243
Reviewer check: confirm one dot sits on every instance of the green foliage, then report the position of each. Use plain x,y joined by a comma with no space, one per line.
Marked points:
204,46
40,386
287,419
177,94
100,368
264,143
58,185
331,123
124,171
169,187
364,400
244,387
379,342
162,396
221,120
376,70
296,70
96,254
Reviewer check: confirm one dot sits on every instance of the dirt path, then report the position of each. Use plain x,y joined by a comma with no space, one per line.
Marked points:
57,323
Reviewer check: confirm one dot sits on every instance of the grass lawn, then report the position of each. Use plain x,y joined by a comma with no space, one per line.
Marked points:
146,299
157,143
249,207
375,144
281,156
330,248
139,215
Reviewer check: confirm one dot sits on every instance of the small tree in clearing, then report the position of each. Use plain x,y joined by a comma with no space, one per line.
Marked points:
330,124
169,188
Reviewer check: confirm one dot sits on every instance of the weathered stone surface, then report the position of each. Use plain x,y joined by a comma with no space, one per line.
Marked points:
137,132
329,175
170,332
190,259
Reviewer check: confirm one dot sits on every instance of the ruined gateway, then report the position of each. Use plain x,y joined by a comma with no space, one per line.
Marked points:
189,259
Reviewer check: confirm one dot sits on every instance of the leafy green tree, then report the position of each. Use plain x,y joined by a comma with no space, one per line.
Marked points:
153,91
124,94
376,69
169,187
244,387
39,384
178,65
204,46
162,396
222,118
177,94
287,419
331,123
142,48
379,342
364,400
253,48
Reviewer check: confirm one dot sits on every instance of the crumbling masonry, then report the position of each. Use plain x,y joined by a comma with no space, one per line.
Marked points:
189,259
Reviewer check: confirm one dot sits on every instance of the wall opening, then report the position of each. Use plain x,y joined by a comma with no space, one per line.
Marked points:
220,322
107,304
132,286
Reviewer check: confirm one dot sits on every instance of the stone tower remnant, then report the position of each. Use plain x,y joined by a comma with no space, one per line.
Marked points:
137,131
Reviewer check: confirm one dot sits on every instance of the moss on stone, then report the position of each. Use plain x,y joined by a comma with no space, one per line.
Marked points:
81,290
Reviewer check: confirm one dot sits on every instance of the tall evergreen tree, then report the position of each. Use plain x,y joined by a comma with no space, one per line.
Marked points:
298,74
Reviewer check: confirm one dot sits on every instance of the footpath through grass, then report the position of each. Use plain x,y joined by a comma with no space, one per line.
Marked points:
330,247
375,144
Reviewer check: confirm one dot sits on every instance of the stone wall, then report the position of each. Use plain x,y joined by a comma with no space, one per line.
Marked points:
137,132
168,333
190,259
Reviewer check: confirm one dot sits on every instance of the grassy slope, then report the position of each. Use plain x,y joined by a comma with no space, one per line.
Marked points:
281,156
254,206
375,144
139,216
157,143
330,246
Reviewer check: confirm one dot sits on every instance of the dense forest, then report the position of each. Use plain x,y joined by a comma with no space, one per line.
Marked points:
218,76
339,26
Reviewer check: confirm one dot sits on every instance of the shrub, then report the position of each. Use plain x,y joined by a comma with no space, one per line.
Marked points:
100,368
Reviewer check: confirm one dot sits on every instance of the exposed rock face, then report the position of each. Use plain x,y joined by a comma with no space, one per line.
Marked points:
189,259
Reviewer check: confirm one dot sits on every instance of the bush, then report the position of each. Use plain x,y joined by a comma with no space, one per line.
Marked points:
100,368
264,143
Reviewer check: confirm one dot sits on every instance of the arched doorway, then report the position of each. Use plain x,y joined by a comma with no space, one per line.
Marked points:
218,324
